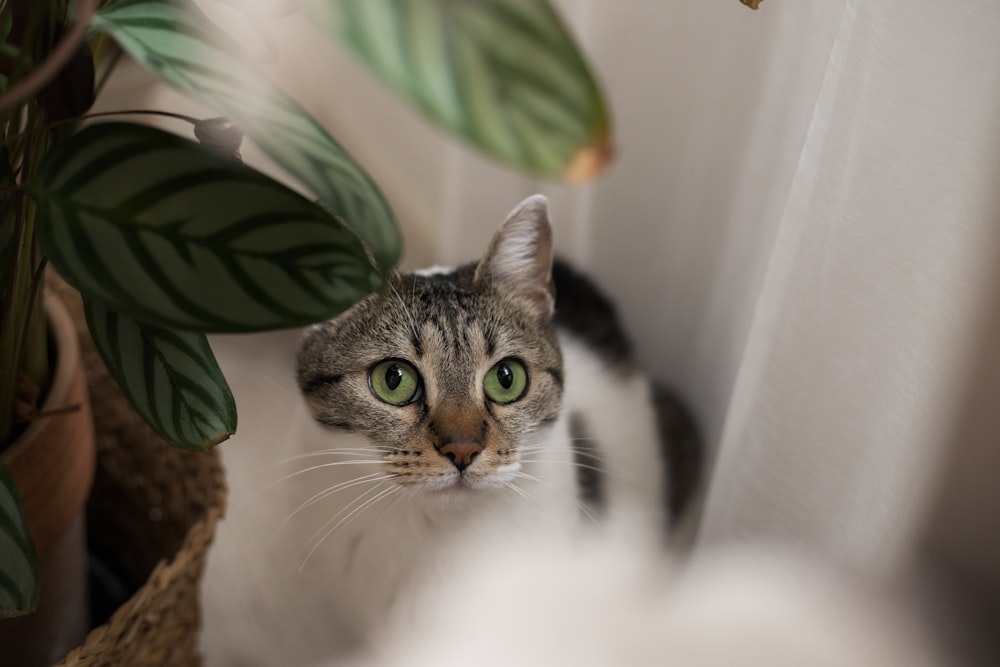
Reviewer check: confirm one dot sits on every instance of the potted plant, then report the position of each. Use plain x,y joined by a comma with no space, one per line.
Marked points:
169,238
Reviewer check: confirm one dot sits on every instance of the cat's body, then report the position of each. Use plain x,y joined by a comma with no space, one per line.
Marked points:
467,402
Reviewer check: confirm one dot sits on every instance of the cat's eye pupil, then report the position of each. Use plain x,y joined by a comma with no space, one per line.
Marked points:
505,376
394,382
393,376
506,382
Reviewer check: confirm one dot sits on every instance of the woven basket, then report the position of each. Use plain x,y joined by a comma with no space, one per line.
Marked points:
155,507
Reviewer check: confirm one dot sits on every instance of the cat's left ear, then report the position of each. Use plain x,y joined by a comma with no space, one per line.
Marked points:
518,259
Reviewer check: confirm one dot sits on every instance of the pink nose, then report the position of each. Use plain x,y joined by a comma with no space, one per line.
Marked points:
461,452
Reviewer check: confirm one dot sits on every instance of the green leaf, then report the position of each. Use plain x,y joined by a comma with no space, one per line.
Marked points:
18,561
503,74
174,234
170,377
178,43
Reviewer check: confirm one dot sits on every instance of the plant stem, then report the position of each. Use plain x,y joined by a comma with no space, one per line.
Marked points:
130,112
55,60
13,321
123,112
23,340
109,69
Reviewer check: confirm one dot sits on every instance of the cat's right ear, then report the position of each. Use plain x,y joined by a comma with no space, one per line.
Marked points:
518,260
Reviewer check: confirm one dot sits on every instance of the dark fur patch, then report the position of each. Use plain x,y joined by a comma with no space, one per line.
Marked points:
681,449
339,425
317,382
584,311
589,476
556,374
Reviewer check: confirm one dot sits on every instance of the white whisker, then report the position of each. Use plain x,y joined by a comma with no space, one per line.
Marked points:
354,513
550,450
399,297
575,464
410,493
274,383
576,501
326,493
547,445
524,494
326,452
312,543
316,467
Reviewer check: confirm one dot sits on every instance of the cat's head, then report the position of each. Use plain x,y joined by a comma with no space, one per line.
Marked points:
446,373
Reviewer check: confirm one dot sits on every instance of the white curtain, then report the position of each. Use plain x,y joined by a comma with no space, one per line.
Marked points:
881,271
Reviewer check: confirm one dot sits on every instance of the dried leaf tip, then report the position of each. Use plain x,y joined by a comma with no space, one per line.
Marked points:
590,162
752,4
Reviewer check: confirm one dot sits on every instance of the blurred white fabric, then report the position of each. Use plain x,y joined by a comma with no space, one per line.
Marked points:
799,230
595,604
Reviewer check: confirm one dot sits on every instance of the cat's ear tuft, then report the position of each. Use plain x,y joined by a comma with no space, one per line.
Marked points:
518,260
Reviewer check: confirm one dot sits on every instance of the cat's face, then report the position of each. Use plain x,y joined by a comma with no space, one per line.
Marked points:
445,374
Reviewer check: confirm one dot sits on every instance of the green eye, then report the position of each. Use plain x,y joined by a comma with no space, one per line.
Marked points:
506,381
394,381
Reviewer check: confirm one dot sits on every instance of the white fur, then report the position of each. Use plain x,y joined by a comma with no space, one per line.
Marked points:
436,270
619,415
541,600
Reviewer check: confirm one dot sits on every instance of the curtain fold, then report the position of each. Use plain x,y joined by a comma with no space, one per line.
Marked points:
859,353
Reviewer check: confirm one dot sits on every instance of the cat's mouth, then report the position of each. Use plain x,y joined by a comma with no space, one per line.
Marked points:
449,483
466,483
450,487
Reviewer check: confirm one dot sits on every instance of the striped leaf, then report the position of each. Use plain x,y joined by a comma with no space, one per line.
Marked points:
503,74
174,234
177,42
18,561
170,377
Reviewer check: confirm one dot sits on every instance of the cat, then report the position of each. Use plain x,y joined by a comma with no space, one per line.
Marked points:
492,399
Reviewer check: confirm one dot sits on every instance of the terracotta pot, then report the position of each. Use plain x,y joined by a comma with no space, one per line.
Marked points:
52,464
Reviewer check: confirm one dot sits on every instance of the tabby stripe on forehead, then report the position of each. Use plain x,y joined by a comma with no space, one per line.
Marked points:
418,346
491,340
587,463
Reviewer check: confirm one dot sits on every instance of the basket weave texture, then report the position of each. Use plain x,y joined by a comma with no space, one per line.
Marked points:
155,507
